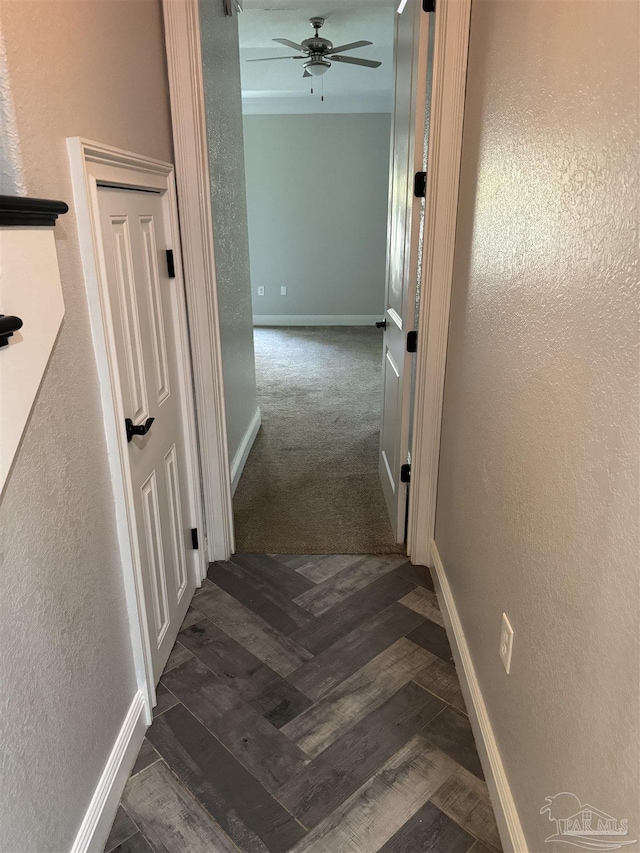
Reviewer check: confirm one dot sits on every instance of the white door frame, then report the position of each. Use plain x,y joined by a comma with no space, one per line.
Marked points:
93,163
182,34
451,44
186,88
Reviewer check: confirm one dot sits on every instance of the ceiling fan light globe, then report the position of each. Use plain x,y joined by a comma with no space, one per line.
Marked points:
317,67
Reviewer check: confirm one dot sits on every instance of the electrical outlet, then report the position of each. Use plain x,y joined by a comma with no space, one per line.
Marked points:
506,643
261,291
283,291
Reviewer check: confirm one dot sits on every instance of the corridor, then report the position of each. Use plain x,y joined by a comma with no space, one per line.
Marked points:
310,705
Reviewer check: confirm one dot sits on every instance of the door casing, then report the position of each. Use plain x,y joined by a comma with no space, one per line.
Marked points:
448,85
93,164
186,89
184,60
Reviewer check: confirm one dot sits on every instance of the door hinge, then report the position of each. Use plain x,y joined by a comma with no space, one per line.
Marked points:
194,538
429,5
420,184
405,473
171,269
412,342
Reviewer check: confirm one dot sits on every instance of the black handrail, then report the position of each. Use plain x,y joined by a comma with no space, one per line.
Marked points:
19,211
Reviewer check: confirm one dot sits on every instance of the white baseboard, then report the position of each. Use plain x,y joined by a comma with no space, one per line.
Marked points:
317,319
511,834
96,825
243,451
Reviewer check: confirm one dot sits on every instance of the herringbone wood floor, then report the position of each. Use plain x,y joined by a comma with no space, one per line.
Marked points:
310,705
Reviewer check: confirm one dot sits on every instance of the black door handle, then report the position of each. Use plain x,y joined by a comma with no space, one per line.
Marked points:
139,429
381,325
8,325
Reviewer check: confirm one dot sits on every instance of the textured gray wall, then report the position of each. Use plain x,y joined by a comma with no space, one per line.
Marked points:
317,199
96,70
538,510
223,103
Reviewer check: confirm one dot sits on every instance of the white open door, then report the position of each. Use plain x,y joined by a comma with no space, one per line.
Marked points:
403,239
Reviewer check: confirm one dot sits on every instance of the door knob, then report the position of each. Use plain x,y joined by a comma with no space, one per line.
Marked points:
381,325
139,429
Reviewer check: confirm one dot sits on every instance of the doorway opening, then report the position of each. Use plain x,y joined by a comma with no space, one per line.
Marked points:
319,156
204,76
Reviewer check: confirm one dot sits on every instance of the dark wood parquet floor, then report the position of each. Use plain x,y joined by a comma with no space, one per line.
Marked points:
310,705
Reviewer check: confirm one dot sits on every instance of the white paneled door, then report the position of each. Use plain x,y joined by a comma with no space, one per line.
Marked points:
145,313
404,226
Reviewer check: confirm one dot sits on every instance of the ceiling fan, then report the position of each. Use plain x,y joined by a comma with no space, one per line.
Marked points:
318,52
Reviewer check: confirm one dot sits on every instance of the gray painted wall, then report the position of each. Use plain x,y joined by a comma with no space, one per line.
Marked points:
538,494
317,201
223,104
96,70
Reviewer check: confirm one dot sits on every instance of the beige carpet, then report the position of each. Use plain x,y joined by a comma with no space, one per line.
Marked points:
310,485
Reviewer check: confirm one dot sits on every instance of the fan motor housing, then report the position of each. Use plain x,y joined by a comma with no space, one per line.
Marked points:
317,45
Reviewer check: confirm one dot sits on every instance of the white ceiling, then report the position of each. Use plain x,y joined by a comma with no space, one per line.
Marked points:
278,87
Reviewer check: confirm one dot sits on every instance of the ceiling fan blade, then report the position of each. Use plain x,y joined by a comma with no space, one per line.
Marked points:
271,58
306,73
289,43
351,46
352,60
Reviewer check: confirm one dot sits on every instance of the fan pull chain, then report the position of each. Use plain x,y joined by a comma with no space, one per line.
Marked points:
321,89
